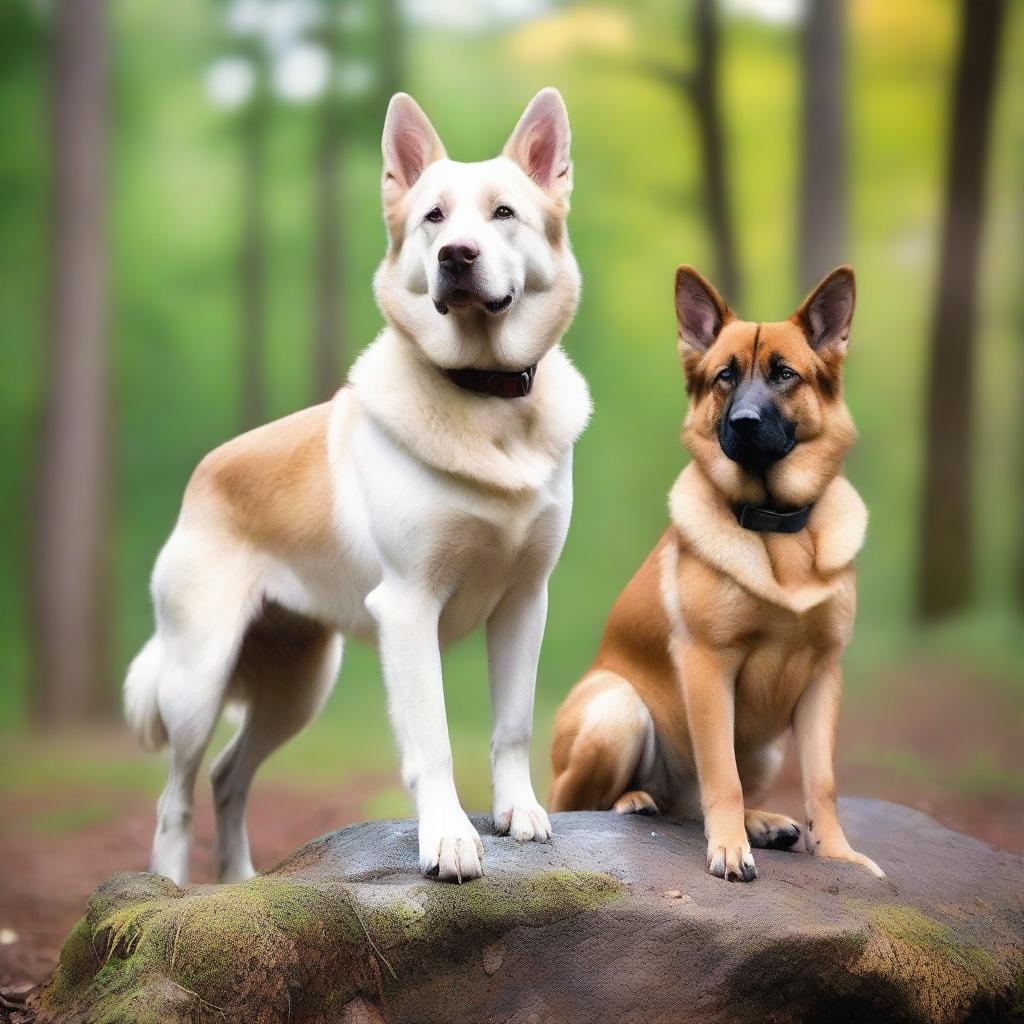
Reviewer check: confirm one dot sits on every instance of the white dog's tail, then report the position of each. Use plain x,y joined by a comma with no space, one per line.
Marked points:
140,702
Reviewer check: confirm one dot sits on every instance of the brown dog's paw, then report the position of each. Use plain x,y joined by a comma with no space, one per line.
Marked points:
768,831
733,862
636,801
841,852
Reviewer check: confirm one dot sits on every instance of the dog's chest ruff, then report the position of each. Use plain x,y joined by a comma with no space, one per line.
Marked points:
507,446
837,526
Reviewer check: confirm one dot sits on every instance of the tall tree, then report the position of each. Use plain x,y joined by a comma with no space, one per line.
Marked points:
392,48
69,555
356,85
704,92
946,555
823,144
252,274
329,305
329,339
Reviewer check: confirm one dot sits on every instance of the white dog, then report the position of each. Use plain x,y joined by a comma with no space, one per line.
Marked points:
430,495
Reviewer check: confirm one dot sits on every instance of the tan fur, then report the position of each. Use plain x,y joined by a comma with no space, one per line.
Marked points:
794,571
726,637
270,485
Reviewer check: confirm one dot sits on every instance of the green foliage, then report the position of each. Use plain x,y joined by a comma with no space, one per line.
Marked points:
174,222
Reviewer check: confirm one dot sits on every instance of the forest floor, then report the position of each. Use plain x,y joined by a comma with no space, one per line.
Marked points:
930,737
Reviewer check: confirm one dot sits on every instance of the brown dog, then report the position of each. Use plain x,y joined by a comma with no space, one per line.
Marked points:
732,630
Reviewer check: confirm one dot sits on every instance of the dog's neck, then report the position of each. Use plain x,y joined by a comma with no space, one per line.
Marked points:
704,519
496,383
513,446
765,519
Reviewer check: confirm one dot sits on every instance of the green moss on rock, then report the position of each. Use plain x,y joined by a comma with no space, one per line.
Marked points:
926,935
77,963
147,950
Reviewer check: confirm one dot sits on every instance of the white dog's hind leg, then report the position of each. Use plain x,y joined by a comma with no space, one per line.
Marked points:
285,672
191,698
514,633
407,620
204,597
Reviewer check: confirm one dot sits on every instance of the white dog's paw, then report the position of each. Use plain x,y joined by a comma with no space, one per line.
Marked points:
234,874
524,820
450,849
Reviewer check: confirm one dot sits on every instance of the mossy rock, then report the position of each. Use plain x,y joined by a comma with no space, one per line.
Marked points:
614,920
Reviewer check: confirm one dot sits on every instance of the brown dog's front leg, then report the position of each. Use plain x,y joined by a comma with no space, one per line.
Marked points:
815,722
710,694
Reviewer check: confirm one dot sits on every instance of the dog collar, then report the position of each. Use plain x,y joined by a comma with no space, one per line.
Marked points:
499,383
766,520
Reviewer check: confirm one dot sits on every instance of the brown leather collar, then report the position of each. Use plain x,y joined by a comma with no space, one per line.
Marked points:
499,383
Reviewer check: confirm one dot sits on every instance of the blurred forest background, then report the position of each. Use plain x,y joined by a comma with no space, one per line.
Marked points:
189,223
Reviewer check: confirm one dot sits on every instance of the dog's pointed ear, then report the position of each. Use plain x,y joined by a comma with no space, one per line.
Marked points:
700,310
540,143
409,144
826,314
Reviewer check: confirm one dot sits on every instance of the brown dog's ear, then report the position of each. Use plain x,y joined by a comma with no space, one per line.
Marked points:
409,144
826,314
700,310
541,140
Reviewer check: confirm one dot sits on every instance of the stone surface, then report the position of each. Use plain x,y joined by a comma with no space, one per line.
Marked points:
615,920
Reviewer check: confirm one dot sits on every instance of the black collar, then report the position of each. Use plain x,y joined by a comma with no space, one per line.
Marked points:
499,383
767,520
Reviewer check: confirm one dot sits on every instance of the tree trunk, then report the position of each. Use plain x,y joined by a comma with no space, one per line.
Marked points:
252,263
69,554
707,109
329,340
823,145
946,567
392,49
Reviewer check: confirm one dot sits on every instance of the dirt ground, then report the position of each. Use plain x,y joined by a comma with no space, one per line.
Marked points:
925,741
46,880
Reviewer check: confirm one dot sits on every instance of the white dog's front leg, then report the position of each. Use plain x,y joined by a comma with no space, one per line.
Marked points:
514,633
407,621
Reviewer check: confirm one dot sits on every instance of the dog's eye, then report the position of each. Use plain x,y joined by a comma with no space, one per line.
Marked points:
504,212
725,375
435,216
784,375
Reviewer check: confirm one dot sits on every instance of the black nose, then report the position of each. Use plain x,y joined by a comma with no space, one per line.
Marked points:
457,255
745,419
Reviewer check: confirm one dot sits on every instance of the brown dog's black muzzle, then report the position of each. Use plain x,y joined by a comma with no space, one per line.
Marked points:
753,431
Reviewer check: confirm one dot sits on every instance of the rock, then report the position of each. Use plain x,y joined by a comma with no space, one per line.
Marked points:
615,920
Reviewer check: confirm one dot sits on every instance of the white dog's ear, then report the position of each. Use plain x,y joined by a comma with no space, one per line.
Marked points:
541,140
410,145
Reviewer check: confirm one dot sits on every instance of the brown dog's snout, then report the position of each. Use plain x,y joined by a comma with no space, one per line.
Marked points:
745,419
458,255
754,431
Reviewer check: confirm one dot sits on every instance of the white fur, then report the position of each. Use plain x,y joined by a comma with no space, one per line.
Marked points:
140,704
450,510
497,447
